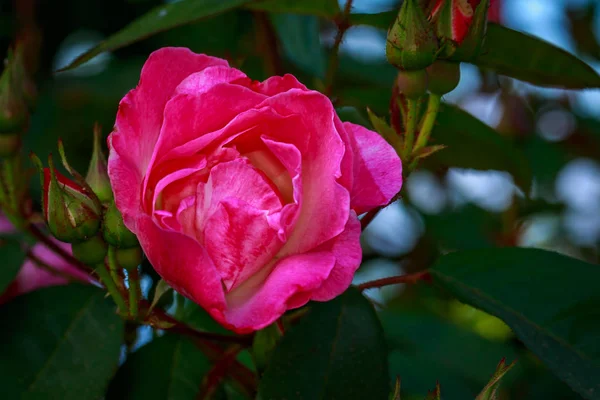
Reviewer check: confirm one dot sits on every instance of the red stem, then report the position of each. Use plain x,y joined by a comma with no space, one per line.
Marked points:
394,280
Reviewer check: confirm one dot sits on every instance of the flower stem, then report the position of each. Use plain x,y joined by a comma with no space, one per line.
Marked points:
433,107
134,289
394,280
113,266
334,59
111,287
411,125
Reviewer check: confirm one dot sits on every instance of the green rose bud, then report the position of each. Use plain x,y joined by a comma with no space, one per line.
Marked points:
91,252
71,214
443,76
411,42
97,175
115,232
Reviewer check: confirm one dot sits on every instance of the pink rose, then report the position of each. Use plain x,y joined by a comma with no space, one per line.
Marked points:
32,277
244,195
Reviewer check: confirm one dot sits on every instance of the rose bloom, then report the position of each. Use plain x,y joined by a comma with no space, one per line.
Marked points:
244,195
32,277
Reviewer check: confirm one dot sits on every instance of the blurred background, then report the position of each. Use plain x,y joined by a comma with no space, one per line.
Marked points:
443,209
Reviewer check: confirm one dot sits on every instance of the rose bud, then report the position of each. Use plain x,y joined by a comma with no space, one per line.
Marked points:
444,76
244,195
97,175
411,42
71,214
91,252
453,20
114,230
473,42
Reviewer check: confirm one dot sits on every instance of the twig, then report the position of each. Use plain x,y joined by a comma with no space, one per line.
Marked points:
215,376
41,237
394,280
343,24
369,217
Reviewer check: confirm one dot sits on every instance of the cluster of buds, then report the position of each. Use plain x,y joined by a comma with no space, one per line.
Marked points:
17,97
429,37
81,211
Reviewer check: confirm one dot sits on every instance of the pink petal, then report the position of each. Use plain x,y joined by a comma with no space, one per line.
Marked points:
348,255
259,301
279,84
239,240
183,264
378,169
140,117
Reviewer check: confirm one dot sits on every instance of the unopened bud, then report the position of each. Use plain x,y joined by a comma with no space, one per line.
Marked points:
452,20
129,258
115,232
97,175
411,42
71,214
443,76
413,84
473,42
91,252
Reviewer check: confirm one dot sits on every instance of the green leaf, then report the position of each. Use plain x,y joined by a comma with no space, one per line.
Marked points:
425,348
299,37
473,144
178,375
550,301
533,60
12,257
158,20
59,343
337,351
320,8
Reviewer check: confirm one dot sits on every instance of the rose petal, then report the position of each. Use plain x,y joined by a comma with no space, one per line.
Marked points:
239,240
183,264
378,169
259,301
139,120
348,255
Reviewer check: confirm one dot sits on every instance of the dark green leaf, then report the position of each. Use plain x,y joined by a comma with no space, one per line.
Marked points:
473,144
59,343
12,257
157,20
320,8
337,351
170,367
426,348
533,60
299,37
550,301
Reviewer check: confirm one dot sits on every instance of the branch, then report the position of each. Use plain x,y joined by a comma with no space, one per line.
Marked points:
343,24
394,280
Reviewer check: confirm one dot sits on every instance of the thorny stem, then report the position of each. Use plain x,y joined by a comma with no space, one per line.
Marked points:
47,267
218,372
111,287
134,286
433,107
343,25
394,280
370,216
41,237
157,316
113,266
267,43
411,125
